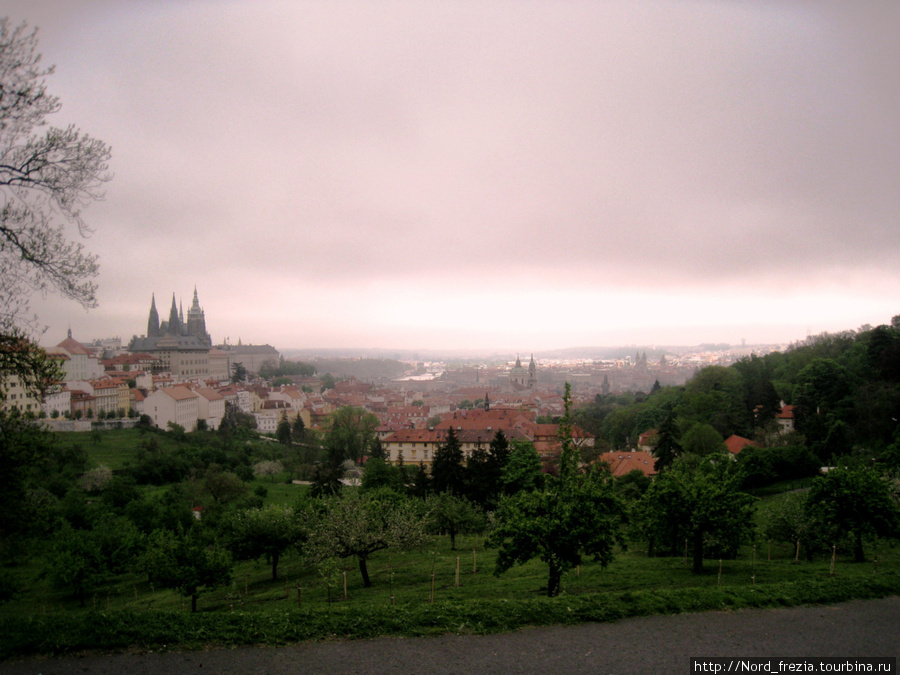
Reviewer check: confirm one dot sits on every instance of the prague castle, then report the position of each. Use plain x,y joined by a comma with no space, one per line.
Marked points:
182,347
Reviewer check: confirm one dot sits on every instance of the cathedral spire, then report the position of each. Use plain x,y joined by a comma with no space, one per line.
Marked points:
174,327
153,320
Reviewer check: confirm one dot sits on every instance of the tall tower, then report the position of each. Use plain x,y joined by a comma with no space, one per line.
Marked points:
196,320
532,373
174,325
153,321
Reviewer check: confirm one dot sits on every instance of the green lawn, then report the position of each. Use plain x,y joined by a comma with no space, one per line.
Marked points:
402,592
114,447
412,593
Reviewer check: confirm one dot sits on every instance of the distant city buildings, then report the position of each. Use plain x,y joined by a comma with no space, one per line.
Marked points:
175,374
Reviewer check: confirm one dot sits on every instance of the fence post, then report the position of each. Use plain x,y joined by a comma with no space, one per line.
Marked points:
753,567
457,571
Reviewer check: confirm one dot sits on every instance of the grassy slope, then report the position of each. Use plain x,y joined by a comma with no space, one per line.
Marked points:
253,609
128,612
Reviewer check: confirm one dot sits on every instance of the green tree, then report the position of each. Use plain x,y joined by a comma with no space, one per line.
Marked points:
379,474
25,453
453,515
185,561
223,486
703,440
357,524
350,434
522,471
268,531
448,474
268,468
853,501
574,515
238,373
699,501
485,471
823,407
715,396
284,432
298,429
667,446
75,562
788,521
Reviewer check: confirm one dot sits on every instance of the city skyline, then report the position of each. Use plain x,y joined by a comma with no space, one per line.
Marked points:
519,176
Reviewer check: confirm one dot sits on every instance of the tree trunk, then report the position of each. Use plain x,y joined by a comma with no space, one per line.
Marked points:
275,566
650,543
698,551
364,572
452,532
554,581
858,555
193,603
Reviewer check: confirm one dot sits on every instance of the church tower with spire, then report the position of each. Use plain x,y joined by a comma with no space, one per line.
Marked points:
173,327
532,374
181,347
153,320
196,320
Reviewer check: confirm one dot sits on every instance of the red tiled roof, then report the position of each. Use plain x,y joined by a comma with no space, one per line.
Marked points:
736,443
786,413
179,393
621,463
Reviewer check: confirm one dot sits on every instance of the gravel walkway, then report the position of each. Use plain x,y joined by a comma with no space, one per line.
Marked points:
659,644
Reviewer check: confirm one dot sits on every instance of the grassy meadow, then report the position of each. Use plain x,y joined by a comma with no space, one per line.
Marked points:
431,591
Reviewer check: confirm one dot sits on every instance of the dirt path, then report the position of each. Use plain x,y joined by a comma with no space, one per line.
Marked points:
660,644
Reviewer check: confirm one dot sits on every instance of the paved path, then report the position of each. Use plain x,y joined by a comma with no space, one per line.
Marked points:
659,644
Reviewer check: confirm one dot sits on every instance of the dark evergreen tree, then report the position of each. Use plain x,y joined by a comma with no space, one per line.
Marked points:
447,471
667,446
283,432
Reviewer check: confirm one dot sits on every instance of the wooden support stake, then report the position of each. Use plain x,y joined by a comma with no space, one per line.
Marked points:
457,571
797,554
720,571
299,596
753,567
432,587
833,556
345,584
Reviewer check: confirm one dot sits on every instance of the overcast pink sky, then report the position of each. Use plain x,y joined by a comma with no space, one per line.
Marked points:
519,175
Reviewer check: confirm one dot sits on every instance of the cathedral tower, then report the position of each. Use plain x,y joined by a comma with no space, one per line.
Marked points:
174,325
153,321
196,320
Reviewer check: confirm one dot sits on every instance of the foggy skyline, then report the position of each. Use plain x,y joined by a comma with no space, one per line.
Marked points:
511,175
